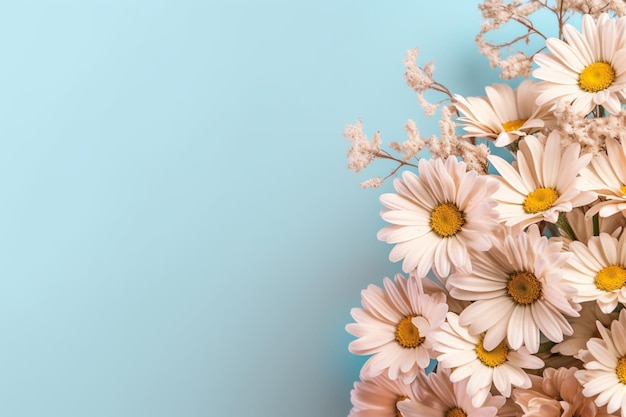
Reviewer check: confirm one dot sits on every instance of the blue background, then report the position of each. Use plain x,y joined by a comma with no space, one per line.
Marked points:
179,232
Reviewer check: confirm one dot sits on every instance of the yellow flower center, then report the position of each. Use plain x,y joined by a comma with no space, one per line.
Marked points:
407,335
512,125
620,370
456,412
446,220
540,200
596,77
524,287
611,278
492,358
400,399
623,189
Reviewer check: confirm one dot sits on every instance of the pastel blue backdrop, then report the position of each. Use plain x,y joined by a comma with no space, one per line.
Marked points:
179,233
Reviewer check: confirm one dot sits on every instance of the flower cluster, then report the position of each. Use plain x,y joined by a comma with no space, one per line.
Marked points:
511,301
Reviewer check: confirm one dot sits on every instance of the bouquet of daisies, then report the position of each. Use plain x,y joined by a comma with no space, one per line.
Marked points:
511,301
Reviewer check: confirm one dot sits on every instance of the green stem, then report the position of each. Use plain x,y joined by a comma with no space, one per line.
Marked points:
564,224
595,220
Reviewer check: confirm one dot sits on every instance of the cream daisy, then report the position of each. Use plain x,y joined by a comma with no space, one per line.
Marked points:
542,183
557,394
435,216
586,70
437,396
395,327
504,115
466,354
379,396
598,271
605,366
606,176
521,279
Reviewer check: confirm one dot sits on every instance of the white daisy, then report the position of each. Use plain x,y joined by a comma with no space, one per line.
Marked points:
586,70
521,279
606,176
435,216
379,396
542,183
437,396
605,366
466,354
504,115
598,271
395,327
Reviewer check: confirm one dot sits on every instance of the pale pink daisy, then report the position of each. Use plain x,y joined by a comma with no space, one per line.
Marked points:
379,396
557,394
587,69
435,216
466,354
606,176
542,183
605,366
520,278
504,115
438,396
598,271
395,326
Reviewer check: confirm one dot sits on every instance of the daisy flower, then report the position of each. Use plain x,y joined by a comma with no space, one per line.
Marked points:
466,353
605,366
521,279
606,176
586,70
437,396
379,396
557,394
395,327
542,183
598,271
504,115
435,216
